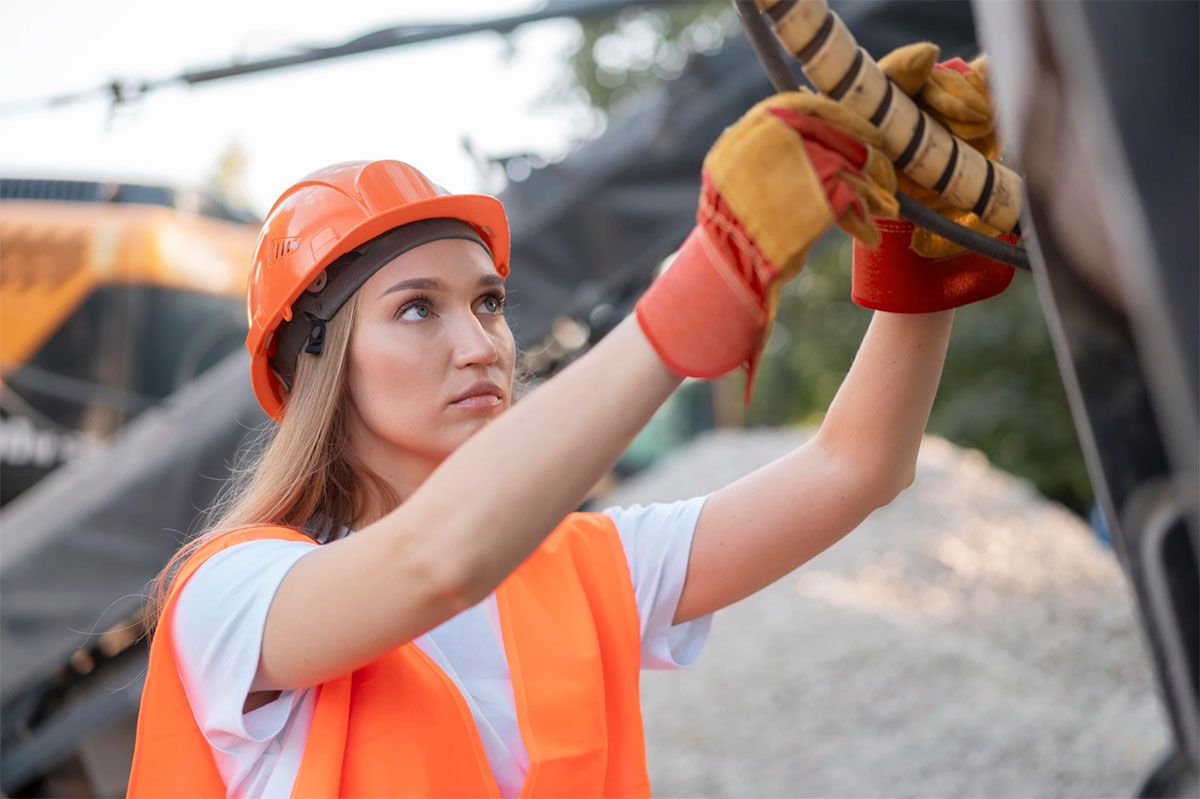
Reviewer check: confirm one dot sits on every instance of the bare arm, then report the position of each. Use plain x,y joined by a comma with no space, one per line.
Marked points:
489,505
474,520
763,526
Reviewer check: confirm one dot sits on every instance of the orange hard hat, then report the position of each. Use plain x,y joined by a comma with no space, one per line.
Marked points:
327,215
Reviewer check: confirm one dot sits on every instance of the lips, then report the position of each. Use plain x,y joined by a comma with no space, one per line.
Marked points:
478,401
482,394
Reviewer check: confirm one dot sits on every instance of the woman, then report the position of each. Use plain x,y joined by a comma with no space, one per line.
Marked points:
400,601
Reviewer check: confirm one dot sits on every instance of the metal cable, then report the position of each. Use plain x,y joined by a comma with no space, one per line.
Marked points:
766,47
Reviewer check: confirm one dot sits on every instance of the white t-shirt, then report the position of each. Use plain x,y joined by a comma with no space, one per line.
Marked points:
221,611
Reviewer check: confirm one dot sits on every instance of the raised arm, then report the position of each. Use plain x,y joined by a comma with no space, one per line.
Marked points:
763,526
488,506
760,528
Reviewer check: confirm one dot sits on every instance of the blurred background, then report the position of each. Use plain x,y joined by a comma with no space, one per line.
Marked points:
487,111
143,142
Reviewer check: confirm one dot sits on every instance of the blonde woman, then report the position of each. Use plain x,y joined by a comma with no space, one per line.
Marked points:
400,601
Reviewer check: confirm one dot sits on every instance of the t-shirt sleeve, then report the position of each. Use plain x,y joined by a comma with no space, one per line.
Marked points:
217,632
657,539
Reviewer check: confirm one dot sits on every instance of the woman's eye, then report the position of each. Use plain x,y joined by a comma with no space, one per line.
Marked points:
494,303
415,311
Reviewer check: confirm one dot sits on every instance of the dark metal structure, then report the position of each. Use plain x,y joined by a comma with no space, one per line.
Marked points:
1100,108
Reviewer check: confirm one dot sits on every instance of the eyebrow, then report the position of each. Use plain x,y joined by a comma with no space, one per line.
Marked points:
432,283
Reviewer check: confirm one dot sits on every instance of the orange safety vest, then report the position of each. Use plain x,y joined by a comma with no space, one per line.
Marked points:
399,726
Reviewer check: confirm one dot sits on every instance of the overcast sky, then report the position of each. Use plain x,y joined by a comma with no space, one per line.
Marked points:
414,103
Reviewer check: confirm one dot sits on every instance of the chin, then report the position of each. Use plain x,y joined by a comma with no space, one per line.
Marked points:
446,437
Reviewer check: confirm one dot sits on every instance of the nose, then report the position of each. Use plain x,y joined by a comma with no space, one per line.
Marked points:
473,344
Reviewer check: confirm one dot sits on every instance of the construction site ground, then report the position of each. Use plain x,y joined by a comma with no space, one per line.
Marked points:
972,639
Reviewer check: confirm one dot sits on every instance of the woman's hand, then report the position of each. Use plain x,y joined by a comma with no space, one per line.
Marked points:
914,270
955,94
765,525
792,167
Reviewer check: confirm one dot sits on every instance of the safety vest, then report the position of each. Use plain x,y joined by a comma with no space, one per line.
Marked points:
399,726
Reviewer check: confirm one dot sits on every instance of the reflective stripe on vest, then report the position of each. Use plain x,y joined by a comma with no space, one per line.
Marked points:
399,726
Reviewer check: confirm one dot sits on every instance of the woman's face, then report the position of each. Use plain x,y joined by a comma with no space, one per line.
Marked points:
430,325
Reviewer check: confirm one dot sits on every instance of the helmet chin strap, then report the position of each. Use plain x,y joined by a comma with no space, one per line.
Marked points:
337,283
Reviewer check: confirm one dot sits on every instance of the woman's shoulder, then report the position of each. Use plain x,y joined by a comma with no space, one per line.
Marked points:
632,521
582,524
239,547
578,533
656,517
220,540
218,545
230,591
256,532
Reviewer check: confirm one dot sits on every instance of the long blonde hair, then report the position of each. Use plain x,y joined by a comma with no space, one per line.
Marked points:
301,473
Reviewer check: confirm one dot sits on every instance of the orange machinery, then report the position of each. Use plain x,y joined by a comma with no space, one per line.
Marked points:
112,296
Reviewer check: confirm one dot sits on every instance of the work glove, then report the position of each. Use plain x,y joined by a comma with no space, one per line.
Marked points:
914,270
792,167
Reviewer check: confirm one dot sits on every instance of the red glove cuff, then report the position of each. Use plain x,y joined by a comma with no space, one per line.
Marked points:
699,317
893,278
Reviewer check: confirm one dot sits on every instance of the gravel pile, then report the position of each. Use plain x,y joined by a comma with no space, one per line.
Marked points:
971,639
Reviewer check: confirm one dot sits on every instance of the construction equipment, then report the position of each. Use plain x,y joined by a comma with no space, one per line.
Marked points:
115,295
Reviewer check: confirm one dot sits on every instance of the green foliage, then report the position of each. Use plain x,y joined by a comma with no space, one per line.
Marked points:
1000,392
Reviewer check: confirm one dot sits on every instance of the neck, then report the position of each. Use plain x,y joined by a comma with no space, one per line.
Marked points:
402,472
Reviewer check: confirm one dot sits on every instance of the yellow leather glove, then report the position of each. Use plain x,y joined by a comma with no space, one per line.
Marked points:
955,94
773,180
792,167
